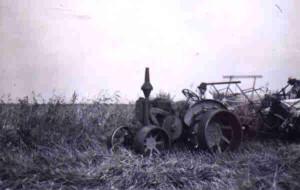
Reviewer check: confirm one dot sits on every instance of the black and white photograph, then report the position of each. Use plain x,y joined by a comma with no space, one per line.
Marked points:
149,95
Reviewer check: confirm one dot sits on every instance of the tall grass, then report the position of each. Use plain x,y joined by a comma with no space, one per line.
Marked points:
61,145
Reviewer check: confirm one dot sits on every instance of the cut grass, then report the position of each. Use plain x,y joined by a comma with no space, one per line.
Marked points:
59,146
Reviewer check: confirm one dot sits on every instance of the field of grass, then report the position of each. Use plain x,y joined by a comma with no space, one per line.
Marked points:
55,145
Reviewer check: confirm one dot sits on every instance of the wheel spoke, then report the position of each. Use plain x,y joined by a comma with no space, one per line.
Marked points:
225,139
160,142
226,128
156,150
219,148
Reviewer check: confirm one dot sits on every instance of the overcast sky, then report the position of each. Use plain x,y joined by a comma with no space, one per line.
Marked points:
61,46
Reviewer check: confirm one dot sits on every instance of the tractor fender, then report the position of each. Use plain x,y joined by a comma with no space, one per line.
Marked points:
200,108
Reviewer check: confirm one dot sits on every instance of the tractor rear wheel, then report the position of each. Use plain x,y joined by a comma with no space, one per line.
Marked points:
217,131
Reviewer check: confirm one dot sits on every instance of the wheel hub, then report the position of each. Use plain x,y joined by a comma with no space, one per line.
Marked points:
151,143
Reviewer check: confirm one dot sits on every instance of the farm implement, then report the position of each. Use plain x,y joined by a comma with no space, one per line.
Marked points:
217,124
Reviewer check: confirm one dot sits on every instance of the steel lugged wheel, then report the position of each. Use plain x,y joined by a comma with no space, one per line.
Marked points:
121,137
218,131
151,140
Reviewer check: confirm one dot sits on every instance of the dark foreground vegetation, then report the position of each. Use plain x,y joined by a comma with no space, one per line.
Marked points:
62,146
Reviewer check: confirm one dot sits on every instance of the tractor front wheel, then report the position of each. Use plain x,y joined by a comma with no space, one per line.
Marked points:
151,140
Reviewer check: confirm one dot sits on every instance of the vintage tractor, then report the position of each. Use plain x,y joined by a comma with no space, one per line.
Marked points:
204,124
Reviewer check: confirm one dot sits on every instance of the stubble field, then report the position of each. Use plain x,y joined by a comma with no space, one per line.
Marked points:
55,145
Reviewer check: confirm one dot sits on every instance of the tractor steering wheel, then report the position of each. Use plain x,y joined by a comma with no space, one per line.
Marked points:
190,95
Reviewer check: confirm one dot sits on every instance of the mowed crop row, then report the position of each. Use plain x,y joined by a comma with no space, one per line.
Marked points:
62,146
